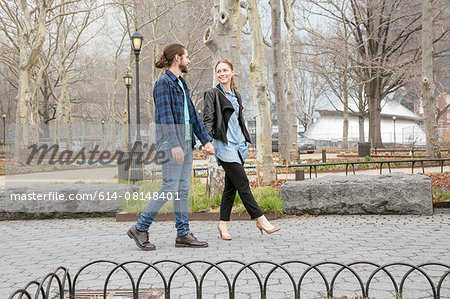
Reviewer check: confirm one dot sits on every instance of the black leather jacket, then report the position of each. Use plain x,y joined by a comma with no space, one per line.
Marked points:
217,111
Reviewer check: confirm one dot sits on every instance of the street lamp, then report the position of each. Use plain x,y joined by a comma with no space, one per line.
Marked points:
136,44
128,79
394,118
103,133
4,127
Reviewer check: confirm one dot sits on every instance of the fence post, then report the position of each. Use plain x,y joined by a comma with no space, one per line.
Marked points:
299,175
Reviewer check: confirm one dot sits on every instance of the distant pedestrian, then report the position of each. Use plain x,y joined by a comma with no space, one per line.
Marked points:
176,123
224,121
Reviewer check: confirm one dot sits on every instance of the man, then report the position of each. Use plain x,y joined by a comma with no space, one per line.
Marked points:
176,123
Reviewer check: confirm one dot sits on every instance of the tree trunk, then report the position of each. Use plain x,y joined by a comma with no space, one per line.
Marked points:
34,111
345,112
278,85
23,106
114,107
64,96
264,159
374,101
377,116
428,87
30,46
46,107
361,128
361,108
68,110
59,115
223,38
290,82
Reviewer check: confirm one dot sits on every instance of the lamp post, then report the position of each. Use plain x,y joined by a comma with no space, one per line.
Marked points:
4,127
394,118
128,79
136,44
103,134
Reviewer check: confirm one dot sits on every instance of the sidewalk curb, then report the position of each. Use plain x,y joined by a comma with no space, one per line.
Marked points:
441,204
129,217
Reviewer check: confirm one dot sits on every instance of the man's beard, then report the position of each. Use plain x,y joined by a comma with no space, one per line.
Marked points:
184,68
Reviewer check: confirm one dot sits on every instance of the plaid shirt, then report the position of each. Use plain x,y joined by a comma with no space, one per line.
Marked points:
169,113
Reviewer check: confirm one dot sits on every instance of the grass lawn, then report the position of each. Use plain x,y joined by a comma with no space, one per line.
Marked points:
441,194
268,199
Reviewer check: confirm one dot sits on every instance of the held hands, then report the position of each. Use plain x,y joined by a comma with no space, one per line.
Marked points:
178,154
208,148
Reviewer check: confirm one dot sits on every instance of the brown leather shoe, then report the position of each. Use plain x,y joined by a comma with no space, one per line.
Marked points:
141,238
189,241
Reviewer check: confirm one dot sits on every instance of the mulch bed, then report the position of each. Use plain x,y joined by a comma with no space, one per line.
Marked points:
276,184
440,180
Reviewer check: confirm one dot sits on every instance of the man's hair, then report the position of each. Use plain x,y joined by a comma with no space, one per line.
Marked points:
165,59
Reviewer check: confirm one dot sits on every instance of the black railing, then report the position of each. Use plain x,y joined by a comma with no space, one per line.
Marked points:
388,162
347,165
59,283
404,150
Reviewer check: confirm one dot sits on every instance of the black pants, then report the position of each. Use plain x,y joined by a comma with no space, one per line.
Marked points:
236,180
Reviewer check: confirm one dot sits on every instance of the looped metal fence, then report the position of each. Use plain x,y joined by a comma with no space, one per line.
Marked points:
290,277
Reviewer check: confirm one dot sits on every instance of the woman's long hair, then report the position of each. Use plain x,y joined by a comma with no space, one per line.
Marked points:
232,83
165,59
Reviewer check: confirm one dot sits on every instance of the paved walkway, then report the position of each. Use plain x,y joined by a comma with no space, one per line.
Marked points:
31,249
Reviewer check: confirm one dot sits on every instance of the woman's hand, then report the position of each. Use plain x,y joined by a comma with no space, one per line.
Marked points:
208,148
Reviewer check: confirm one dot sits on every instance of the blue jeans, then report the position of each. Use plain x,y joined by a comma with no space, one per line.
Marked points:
175,187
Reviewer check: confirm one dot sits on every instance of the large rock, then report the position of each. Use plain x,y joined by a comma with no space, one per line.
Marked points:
394,193
63,200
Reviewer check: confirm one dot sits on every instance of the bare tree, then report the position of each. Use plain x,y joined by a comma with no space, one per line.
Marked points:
264,159
25,26
284,133
310,87
70,28
335,54
428,86
289,21
383,34
8,92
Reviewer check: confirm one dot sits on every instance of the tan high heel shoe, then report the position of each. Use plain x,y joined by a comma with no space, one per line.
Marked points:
268,231
224,237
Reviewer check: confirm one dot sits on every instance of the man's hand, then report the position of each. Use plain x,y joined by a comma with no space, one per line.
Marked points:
208,148
178,154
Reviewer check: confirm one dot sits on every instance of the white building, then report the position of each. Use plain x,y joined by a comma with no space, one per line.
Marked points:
329,126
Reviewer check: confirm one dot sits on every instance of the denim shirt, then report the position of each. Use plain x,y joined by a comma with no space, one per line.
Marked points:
236,150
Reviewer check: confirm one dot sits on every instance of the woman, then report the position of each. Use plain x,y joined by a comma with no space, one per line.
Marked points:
224,121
